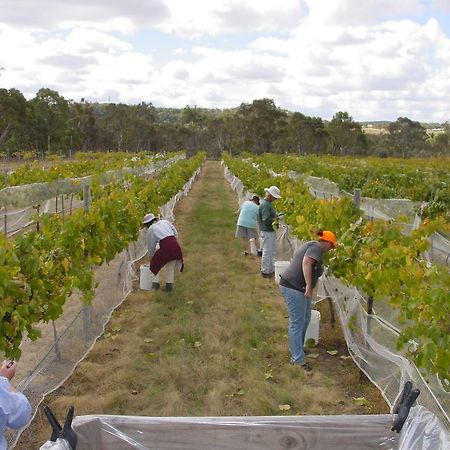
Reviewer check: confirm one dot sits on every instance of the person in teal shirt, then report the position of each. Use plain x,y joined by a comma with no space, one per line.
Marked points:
246,227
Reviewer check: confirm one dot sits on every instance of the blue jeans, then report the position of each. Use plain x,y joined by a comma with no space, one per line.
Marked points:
299,308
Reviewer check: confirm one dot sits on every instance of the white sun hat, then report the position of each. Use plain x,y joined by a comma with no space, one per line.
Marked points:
148,218
273,191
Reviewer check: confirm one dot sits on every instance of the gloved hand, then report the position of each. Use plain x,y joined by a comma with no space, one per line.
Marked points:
65,432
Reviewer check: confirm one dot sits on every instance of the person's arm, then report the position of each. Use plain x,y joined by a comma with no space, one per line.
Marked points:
151,243
307,268
20,412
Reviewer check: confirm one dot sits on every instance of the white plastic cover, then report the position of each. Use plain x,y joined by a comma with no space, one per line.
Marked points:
235,433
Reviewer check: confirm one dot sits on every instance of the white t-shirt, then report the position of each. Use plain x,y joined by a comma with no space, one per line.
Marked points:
158,231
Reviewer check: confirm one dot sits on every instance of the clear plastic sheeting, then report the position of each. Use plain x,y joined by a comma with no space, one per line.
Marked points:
422,430
235,433
371,339
46,363
440,249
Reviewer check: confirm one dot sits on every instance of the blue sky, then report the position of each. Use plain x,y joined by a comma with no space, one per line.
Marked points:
376,59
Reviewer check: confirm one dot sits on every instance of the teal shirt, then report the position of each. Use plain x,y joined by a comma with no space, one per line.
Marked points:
248,215
266,214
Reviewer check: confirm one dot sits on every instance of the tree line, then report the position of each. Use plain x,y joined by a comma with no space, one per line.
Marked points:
49,125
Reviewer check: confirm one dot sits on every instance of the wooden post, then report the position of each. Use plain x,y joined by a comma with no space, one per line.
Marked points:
62,207
56,346
369,320
38,207
5,213
86,197
86,308
71,204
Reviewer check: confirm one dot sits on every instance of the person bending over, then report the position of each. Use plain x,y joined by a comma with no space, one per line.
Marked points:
169,254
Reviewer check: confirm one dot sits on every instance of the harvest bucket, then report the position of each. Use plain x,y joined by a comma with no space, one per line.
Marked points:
312,332
146,278
279,268
253,249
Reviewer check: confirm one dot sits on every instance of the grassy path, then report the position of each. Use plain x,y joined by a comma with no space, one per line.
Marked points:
216,345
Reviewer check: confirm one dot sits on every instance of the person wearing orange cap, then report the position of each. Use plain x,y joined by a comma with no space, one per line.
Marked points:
297,282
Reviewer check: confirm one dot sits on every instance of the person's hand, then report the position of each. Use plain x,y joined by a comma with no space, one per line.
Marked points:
308,293
65,432
8,369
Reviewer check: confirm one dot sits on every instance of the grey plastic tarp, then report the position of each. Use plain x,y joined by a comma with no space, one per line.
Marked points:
421,431
233,433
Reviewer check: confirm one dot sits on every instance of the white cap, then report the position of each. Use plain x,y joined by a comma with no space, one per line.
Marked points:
148,218
273,191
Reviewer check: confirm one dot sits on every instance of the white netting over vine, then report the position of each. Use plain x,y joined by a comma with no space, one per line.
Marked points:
46,363
21,204
398,210
371,339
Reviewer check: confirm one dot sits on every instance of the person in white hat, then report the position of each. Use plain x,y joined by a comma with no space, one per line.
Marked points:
169,254
267,216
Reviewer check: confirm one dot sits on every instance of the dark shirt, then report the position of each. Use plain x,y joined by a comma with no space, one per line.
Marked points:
292,277
266,214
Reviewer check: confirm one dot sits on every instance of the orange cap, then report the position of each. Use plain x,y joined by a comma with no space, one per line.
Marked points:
328,236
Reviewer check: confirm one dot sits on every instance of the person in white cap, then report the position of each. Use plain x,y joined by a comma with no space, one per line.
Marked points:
169,254
267,216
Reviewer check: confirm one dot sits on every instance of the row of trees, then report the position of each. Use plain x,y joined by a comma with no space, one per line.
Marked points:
48,124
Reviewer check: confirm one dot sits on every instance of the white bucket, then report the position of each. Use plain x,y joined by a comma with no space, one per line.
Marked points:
146,279
279,268
312,332
253,249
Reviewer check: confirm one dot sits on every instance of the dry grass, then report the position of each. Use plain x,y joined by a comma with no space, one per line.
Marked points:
377,131
217,345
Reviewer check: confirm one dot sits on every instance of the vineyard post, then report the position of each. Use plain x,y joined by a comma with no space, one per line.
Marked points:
55,338
5,214
62,207
38,207
86,307
86,197
368,326
71,204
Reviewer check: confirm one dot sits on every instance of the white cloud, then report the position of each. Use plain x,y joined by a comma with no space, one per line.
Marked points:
110,15
344,56
197,17
179,17
360,12
442,5
82,64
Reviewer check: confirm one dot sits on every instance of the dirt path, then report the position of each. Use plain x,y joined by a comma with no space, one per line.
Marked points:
217,345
